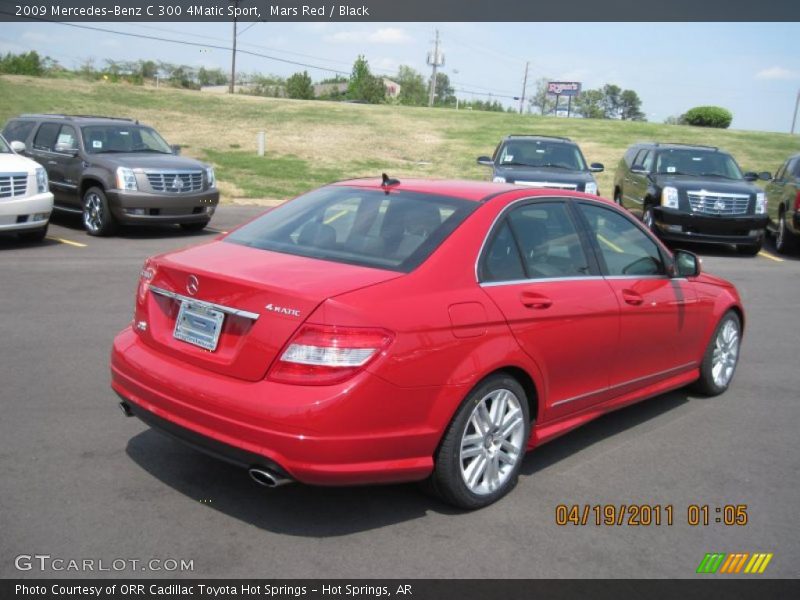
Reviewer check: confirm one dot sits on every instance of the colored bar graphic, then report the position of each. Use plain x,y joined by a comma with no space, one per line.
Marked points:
711,563
719,562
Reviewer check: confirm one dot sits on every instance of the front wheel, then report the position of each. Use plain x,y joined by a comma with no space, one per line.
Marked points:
479,459
721,356
97,217
784,240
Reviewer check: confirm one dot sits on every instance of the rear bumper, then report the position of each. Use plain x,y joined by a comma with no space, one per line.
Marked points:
675,225
142,208
17,214
363,431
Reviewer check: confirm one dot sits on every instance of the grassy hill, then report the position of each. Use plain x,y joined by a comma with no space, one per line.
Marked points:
310,142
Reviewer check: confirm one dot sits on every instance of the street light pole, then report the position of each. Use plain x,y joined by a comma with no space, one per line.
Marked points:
794,114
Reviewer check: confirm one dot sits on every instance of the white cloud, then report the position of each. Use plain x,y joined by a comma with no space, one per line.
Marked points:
777,72
385,35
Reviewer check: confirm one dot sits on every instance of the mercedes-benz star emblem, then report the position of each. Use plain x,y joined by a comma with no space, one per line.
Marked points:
192,285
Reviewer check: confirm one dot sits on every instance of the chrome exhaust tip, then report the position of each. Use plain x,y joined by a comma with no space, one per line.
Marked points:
268,477
126,409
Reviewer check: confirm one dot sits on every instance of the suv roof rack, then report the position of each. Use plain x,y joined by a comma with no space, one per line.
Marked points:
69,117
686,145
539,135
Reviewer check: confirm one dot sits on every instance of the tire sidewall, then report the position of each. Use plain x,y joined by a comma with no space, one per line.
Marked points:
107,226
706,377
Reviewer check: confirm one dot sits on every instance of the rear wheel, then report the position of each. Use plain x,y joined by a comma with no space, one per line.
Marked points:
618,197
721,356
97,217
785,242
34,235
479,459
194,226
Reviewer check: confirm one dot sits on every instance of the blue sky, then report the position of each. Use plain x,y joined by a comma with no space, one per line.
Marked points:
753,69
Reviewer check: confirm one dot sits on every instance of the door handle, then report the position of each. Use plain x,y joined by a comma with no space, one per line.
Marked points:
51,162
632,297
534,300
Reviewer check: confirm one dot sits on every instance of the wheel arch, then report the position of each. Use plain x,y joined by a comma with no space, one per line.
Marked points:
89,182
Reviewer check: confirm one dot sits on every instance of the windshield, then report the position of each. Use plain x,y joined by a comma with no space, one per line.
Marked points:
4,148
100,139
540,153
703,163
367,227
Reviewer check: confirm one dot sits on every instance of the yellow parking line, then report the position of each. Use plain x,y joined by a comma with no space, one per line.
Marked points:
609,243
67,242
770,256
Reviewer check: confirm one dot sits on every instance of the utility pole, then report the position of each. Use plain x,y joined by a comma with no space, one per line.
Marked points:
524,87
233,55
794,114
435,60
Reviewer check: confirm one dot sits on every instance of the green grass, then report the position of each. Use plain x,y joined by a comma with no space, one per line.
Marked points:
310,143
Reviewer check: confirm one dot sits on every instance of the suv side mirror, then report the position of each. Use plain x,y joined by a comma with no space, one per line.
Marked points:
596,167
765,176
687,264
18,146
639,170
485,161
750,176
176,149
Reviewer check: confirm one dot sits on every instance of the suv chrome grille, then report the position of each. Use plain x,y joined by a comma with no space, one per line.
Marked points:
547,184
710,203
175,182
13,184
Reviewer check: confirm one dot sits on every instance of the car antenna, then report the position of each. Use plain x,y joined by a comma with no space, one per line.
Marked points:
388,181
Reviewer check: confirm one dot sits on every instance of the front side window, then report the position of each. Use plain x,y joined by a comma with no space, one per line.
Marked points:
625,249
368,227
700,163
67,139
541,154
103,139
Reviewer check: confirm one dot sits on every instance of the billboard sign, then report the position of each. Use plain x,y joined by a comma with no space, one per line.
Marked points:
564,88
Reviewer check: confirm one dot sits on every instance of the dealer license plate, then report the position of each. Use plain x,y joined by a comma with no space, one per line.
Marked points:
199,325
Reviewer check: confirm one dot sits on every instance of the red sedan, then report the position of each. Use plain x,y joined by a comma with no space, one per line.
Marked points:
383,331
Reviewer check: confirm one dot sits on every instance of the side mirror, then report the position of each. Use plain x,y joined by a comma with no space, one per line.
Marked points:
687,264
765,176
176,149
66,149
485,161
639,171
751,176
18,146
596,167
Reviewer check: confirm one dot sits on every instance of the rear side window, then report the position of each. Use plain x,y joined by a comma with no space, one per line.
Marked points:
502,261
18,131
46,136
625,249
395,231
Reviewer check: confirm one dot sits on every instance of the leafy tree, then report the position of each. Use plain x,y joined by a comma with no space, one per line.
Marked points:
299,86
445,95
27,63
412,87
364,85
589,104
541,101
708,116
611,101
630,106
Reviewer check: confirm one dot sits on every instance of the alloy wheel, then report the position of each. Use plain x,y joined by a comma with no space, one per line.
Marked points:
93,212
726,353
780,238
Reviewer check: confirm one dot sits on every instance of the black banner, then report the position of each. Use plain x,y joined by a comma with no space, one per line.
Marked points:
405,10
460,589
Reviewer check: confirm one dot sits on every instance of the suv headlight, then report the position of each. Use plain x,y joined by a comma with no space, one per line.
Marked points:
126,179
669,197
210,178
591,188
761,203
498,179
41,180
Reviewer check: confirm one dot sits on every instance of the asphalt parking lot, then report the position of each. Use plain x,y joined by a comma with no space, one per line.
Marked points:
80,481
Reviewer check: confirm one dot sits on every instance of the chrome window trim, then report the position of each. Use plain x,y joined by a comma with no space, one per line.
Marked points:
684,366
572,278
220,307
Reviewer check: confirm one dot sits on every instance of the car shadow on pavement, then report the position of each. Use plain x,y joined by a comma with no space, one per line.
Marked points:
310,511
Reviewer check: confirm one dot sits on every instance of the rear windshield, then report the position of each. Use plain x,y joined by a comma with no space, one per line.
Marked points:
367,227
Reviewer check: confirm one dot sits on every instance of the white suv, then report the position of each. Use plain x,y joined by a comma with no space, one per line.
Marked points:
25,201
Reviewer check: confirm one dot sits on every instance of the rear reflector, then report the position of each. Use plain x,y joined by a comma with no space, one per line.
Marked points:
327,354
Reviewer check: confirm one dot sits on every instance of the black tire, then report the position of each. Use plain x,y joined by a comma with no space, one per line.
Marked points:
649,218
707,384
749,249
34,236
785,242
191,227
447,480
618,198
97,218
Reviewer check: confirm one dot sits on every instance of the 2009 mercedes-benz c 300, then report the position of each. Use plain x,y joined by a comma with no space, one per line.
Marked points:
384,331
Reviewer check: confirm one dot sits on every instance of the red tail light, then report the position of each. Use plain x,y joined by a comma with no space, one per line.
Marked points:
327,354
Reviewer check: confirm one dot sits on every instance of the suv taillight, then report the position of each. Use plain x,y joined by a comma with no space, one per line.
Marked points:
327,354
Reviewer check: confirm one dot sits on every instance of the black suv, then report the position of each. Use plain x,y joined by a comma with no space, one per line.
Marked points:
542,161
116,171
783,205
692,193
